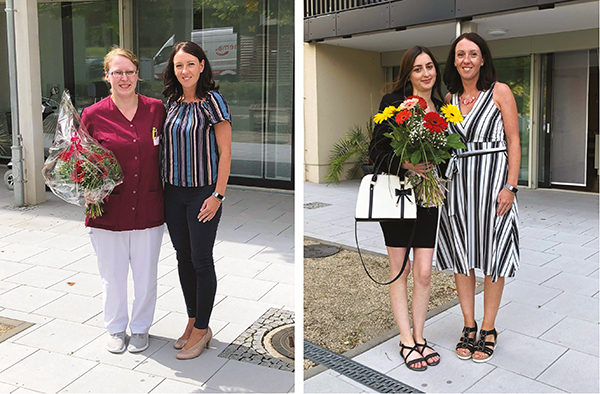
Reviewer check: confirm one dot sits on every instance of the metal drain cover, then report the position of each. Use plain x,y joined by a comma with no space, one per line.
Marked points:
279,342
319,250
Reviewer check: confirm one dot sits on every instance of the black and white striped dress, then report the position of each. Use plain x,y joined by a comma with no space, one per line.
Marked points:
471,235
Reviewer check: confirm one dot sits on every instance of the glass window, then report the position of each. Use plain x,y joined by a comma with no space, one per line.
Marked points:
249,44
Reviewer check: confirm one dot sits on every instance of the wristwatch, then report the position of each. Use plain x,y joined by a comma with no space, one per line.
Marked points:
511,188
218,196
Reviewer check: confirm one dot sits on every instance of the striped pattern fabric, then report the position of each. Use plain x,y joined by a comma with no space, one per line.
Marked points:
471,235
189,151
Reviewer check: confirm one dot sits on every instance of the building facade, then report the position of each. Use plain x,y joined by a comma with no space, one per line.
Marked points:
545,50
248,42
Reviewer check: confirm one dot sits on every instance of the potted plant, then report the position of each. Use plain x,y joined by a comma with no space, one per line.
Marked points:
353,147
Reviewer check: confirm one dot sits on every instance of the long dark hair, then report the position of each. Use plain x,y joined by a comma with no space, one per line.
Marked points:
487,72
173,89
402,84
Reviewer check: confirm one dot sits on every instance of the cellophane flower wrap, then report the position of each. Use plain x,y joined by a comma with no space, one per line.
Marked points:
78,169
420,136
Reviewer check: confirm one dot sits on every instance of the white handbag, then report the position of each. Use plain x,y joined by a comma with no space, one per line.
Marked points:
383,197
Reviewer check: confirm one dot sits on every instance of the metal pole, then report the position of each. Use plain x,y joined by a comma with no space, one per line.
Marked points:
17,148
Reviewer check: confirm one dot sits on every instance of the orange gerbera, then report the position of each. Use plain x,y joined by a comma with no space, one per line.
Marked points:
434,122
422,102
402,116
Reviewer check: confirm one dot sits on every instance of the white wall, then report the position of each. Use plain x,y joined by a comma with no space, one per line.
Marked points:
342,88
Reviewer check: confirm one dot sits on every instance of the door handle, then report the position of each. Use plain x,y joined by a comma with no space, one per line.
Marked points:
547,128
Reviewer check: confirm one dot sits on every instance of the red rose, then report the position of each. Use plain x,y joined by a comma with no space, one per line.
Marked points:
78,172
422,102
434,122
402,116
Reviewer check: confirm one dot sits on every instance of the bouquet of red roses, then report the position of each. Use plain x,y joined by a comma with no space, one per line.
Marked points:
78,169
418,136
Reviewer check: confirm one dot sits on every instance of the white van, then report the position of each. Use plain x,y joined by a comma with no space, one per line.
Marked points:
219,44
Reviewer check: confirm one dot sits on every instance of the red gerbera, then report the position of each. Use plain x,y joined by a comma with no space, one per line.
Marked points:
434,122
65,156
78,172
95,158
402,116
422,102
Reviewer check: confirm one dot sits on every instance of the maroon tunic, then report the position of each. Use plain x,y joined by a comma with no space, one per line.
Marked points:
137,203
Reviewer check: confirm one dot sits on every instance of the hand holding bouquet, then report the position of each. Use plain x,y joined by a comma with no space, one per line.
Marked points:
78,169
421,137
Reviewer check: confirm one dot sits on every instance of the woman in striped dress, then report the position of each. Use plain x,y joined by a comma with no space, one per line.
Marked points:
479,223
196,160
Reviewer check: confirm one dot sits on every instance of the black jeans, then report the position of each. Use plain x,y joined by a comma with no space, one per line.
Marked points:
194,242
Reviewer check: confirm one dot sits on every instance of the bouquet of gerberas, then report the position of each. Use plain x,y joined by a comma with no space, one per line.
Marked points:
421,137
78,169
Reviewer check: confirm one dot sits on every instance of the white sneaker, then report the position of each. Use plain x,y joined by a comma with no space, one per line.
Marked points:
116,342
138,343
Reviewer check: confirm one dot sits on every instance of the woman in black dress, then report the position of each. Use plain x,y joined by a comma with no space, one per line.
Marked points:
417,77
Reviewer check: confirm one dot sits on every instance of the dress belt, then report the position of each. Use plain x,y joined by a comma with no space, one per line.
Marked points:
455,167
483,148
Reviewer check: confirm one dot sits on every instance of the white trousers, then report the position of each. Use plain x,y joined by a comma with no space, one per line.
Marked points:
116,251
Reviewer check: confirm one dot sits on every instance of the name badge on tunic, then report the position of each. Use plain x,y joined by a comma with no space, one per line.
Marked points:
155,136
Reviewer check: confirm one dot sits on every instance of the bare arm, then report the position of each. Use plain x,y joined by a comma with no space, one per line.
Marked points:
505,101
211,205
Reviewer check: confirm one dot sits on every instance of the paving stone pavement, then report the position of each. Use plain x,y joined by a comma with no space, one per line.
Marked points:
548,320
48,276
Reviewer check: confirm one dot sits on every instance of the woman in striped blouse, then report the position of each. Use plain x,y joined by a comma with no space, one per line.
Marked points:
196,161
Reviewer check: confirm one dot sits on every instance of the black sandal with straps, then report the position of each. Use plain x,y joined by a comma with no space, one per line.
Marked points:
409,364
484,346
466,342
422,346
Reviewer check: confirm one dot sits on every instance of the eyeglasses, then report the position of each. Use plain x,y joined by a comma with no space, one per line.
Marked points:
129,73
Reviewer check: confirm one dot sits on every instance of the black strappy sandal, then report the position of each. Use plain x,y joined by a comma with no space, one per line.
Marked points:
486,347
409,364
466,342
429,356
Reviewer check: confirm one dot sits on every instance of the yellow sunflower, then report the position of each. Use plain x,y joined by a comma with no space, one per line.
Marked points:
386,114
452,113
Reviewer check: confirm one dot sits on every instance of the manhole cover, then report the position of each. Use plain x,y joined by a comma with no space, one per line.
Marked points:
320,250
280,342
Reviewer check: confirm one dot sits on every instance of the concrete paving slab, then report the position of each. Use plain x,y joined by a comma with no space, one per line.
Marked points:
239,250
7,388
246,288
537,258
28,299
239,310
46,371
12,353
172,386
83,284
55,258
65,242
96,351
41,277
72,307
502,381
527,320
575,305
576,334
524,293
237,376
579,252
384,357
535,274
9,268
61,337
16,252
539,245
570,239
282,294
5,286
240,267
574,372
573,266
7,230
451,375
571,283
510,347
281,273
122,381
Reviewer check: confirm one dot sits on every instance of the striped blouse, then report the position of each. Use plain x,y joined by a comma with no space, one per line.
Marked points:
189,151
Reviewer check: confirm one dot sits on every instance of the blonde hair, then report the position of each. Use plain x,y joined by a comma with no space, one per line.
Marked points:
126,53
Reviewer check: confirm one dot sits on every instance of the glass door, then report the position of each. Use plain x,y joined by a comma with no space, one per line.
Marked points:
516,73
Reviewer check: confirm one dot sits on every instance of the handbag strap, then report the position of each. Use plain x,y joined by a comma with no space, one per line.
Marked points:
408,247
